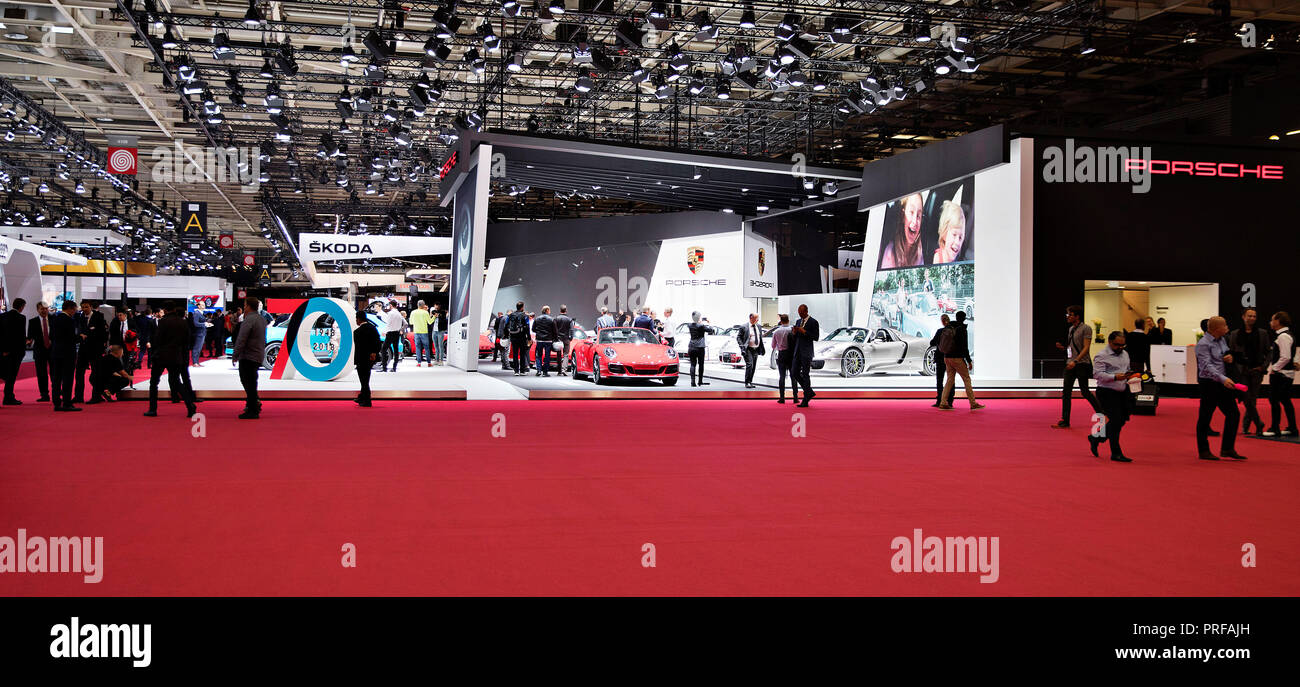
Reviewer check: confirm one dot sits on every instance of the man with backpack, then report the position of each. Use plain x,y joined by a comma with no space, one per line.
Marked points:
954,338
517,328
940,370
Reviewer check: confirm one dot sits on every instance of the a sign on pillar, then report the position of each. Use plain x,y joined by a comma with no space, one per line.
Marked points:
227,241
194,218
250,258
264,279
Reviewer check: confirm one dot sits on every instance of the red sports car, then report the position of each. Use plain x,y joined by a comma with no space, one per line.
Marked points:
626,352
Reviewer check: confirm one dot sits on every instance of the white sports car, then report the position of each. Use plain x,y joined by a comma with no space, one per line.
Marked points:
853,351
712,342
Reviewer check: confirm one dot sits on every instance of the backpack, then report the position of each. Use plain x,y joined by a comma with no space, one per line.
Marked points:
946,340
514,326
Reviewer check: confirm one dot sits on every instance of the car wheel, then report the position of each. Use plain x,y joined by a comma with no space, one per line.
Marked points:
930,365
272,352
573,364
595,371
853,363
670,381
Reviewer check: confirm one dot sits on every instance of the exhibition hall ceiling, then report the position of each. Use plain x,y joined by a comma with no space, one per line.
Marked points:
346,109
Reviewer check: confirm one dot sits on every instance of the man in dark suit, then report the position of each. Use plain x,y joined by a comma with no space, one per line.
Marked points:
365,351
1138,347
38,333
544,335
13,346
564,334
171,352
806,332
145,325
750,340
503,338
64,339
93,331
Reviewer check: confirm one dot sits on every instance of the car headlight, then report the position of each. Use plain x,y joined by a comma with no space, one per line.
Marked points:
610,353
672,353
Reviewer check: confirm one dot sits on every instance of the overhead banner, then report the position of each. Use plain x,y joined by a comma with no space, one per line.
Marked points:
319,247
123,154
760,267
194,218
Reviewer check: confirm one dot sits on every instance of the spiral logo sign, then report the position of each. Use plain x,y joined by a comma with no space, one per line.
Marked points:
122,154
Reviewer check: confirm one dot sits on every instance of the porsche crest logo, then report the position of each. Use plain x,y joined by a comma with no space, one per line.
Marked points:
695,259
762,261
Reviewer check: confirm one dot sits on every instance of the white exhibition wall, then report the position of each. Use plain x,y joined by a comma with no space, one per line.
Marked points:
1003,257
1183,308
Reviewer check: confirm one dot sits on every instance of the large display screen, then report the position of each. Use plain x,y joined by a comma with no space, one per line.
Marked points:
462,248
925,265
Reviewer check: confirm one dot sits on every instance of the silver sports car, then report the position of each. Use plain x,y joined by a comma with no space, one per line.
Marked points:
853,351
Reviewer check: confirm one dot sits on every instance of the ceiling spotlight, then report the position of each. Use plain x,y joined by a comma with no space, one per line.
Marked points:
830,188
697,83
705,28
658,10
679,61
584,83
921,28
819,81
515,62
789,24
786,55
1085,46
662,90
253,17
348,56
747,18
723,88
511,8
1190,37
169,39
557,6
266,71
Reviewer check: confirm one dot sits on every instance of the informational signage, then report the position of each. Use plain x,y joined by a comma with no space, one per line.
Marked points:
227,241
317,343
264,278
250,258
205,301
850,260
315,247
123,154
241,294
760,267
194,218
449,165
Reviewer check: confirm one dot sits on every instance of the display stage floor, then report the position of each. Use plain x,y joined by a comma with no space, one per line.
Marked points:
726,382
565,501
217,379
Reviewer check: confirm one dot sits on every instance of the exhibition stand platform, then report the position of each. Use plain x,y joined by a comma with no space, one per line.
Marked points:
217,379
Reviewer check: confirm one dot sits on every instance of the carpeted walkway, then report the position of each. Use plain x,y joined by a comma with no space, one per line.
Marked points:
435,505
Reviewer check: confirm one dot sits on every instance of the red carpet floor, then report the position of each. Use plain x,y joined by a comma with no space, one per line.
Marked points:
734,505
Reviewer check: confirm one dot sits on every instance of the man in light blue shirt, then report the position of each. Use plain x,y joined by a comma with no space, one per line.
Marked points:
1217,390
605,320
1111,370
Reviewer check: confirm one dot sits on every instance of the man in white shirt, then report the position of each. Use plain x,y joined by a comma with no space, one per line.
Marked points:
395,323
669,326
1281,376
